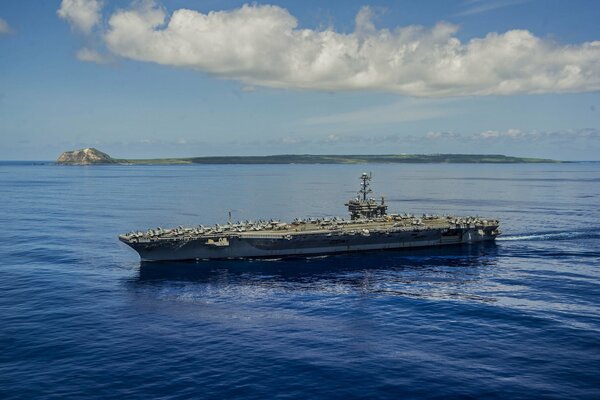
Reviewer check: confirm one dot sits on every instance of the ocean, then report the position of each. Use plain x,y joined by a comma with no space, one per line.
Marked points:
81,317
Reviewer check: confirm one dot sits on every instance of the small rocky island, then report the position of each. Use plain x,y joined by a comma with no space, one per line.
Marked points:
85,156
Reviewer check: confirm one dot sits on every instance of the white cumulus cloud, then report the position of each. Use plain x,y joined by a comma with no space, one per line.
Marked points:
83,15
5,27
262,45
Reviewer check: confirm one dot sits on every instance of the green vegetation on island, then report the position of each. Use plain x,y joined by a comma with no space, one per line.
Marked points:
93,156
364,159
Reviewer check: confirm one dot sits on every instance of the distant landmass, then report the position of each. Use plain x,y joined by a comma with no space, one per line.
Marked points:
91,156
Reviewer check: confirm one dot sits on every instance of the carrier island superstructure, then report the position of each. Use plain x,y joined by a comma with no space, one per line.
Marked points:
369,228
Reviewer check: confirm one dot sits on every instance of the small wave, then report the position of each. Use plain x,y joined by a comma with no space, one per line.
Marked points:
318,257
570,235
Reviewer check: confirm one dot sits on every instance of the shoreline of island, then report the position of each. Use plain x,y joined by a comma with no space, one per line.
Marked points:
92,156
311,159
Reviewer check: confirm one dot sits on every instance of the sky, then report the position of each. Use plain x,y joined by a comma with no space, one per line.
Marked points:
183,78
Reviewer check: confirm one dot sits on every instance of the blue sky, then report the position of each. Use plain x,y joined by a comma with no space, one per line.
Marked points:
191,78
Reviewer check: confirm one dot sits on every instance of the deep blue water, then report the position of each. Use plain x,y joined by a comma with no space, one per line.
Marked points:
80,317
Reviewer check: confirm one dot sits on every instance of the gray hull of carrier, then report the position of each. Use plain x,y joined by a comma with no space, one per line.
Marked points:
370,228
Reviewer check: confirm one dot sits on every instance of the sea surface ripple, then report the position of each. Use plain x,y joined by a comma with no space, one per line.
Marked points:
81,317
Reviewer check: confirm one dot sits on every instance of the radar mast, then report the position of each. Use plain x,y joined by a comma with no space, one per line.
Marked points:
364,207
364,185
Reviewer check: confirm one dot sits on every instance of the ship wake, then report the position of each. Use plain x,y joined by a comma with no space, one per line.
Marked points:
565,235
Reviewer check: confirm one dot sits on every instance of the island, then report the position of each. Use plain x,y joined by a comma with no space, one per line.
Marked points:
85,156
91,156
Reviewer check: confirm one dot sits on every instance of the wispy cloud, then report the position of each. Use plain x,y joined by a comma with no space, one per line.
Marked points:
5,28
91,55
535,135
401,111
447,137
442,136
473,7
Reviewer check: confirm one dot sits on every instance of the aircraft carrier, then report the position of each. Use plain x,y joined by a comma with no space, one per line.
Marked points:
369,228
